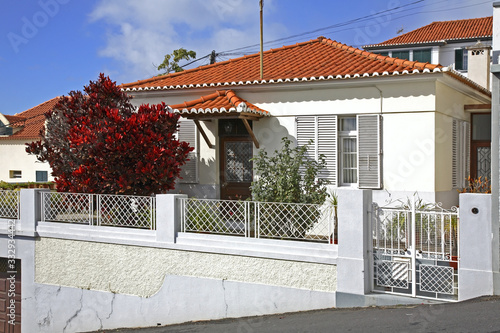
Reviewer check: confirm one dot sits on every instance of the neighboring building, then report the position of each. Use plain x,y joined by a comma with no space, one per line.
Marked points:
442,43
387,124
15,131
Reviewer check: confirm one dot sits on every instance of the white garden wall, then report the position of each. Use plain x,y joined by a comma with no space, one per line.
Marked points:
79,277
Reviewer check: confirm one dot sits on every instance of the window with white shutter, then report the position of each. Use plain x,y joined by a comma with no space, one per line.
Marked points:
322,132
351,145
460,153
369,151
187,132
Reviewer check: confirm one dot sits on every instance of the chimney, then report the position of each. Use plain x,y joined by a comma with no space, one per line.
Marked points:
479,64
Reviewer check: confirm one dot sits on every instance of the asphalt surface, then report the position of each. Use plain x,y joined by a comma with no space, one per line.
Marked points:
478,315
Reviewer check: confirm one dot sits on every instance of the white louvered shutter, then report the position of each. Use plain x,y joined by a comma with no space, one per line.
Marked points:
322,131
461,153
327,145
466,152
369,151
189,171
455,154
306,133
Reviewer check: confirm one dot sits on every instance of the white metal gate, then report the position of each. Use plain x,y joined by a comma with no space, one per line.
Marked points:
415,250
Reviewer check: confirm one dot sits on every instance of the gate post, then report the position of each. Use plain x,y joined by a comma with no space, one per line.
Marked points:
354,245
31,210
168,219
475,274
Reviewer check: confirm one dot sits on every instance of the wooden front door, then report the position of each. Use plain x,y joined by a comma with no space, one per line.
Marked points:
236,169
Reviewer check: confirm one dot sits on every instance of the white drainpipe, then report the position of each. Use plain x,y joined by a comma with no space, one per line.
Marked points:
495,172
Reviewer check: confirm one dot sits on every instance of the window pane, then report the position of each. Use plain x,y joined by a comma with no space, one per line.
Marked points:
348,124
349,161
15,174
461,59
422,55
401,54
41,176
481,127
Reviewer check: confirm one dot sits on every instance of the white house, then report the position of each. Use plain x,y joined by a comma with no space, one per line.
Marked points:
392,125
15,132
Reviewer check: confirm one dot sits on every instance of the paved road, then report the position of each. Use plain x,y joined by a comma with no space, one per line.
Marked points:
479,315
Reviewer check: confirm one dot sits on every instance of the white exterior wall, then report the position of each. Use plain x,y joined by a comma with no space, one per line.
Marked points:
14,157
408,152
447,52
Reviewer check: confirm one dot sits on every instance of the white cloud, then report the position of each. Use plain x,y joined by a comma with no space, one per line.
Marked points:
140,33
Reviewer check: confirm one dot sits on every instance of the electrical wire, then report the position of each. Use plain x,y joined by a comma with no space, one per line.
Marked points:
402,9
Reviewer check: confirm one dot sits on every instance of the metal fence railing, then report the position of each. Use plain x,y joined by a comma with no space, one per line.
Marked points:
435,229
9,204
99,209
276,220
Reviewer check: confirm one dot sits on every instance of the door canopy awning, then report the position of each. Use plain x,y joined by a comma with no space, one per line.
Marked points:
221,104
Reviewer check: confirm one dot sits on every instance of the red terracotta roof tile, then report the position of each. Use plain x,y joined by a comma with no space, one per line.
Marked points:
444,31
15,121
32,120
218,102
317,59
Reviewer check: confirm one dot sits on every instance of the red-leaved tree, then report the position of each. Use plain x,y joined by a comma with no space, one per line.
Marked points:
97,142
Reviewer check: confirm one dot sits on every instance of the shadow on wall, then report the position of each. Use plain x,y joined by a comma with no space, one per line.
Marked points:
202,190
270,131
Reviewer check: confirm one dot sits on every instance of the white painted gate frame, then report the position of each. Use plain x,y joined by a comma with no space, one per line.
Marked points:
435,261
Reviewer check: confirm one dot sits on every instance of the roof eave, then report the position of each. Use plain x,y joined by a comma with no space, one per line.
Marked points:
228,85
428,43
392,46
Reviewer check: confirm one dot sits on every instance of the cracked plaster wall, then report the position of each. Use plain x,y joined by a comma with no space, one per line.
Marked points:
85,286
180,299
140,271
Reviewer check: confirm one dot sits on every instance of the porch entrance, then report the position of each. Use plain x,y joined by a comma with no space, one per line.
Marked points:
415,251
235,152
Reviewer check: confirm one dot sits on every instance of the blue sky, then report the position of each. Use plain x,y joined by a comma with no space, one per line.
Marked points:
50,47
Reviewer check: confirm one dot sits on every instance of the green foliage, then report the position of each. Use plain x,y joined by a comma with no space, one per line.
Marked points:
171,61
203,217
288,176
16,186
